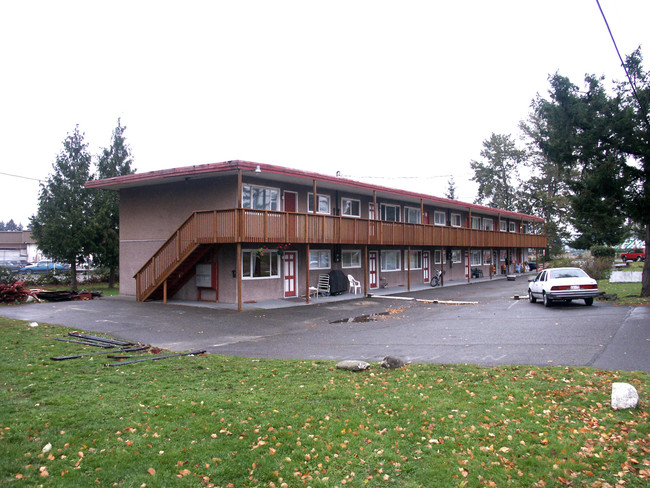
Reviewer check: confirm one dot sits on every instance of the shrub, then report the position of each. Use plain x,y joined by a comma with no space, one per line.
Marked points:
599,268
603,252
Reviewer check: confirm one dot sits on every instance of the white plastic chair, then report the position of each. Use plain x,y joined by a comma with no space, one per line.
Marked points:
354,284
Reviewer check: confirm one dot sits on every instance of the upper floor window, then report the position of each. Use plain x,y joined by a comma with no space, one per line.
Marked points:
323,203
412,215
439,218
390,212
488,224
455,220
260,197
512,227
350,207
476,222
504,226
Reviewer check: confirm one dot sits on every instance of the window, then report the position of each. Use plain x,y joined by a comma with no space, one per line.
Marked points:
504,226
412,215
390,261
323,203
503,254
390,212
476,222
260,197
350,207
455,220
439,218
319,259
455,255
416,259
487,257
351,258
257,264
437,256
512,227
488,224
475,258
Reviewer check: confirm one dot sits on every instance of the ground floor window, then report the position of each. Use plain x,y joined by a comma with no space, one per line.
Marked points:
319,259
456,256
390,261
257,264
416,260
503,254
437,256
351,258
475,258
487,257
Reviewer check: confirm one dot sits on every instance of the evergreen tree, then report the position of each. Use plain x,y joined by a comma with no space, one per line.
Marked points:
451,189
113,161
61,224
498,175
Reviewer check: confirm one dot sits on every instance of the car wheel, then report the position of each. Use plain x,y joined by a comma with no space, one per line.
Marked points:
589,302
531,298
546,300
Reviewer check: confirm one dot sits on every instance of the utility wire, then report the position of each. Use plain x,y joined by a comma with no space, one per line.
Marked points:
627,73
19,176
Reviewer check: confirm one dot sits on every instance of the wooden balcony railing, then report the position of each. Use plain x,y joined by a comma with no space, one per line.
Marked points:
263,226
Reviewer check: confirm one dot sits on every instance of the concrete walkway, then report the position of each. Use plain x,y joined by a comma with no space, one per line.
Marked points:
300,301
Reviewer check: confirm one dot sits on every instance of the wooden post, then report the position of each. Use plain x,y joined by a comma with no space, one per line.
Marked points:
307,272
469,258
365,272
315,198
238,271
165,292
240,188
408,268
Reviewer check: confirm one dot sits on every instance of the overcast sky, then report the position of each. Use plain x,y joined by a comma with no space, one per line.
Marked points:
406,89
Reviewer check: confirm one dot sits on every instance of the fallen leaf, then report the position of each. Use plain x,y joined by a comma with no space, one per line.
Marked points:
151,471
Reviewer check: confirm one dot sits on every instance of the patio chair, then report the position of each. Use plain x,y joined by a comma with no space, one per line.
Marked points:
323,285
354,284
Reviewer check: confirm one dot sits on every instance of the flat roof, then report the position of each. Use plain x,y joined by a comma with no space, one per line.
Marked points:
281,173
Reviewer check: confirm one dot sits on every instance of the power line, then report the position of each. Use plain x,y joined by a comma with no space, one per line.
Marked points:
20,176
627,73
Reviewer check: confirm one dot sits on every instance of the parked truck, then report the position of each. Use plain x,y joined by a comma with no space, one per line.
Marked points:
636,254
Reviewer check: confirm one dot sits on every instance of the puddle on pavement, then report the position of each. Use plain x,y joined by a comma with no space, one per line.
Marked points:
361,318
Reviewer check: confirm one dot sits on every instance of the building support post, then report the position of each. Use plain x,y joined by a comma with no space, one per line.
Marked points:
365,270
408,268
307,272
238,271
165,292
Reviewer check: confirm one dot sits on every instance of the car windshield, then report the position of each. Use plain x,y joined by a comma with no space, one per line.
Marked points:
567,273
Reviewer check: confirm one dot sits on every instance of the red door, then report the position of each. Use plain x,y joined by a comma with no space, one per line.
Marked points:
425,217
373,279
290,274
290,201
425,266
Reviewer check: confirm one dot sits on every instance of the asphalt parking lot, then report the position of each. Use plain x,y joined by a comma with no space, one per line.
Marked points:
497,330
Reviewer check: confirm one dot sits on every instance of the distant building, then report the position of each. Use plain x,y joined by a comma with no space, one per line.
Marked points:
18,246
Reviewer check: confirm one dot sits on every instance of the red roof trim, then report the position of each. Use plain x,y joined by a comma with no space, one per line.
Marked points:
281,170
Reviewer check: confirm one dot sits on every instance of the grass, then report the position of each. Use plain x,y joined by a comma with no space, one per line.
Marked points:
224,421
628,293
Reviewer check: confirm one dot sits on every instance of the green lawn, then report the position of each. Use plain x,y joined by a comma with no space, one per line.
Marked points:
221,421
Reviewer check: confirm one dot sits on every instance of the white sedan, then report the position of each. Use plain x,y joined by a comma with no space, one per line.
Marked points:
564,284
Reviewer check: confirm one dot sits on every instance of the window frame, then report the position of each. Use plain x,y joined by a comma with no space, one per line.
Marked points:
418,254
473,255
455,216
320,253
456,256
476,223
504,226
511,227
351,201
407,215
382,212
321,197
436,214
251,199
488,224
437,256
254,254
350,252
392,252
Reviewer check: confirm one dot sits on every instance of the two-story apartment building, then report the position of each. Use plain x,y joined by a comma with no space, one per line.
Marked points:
240,232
